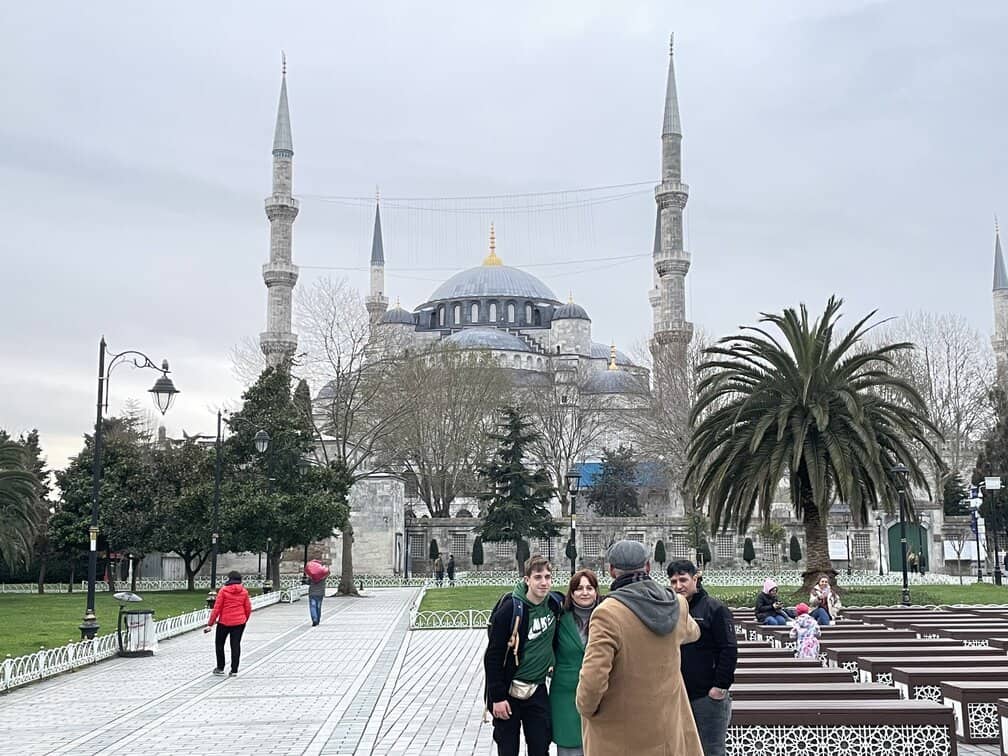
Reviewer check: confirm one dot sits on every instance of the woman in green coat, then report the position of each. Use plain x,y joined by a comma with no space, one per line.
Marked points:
571,637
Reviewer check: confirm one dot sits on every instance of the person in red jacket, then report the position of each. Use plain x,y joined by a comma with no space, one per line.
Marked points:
231,611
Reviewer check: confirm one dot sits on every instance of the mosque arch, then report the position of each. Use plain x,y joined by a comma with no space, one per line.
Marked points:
457,315
517,361
441,315
536,317
474,312
493,312
528,313
510,312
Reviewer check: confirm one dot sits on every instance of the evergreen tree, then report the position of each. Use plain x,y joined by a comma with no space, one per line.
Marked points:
433,550
954,493
477,552
794,550
613,492
992,461
268,497
514,498
696,535
22,514
748,551
659,553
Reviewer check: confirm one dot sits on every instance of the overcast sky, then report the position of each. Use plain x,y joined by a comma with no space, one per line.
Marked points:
855,147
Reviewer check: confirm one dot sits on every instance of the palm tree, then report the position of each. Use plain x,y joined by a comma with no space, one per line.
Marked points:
824,410
21,512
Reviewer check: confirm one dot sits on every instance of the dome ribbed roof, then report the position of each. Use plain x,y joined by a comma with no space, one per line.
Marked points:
614,382
493,281
602,351
399,315
487,338
571,311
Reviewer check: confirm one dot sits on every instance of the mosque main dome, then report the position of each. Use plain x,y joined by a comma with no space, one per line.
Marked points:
493,281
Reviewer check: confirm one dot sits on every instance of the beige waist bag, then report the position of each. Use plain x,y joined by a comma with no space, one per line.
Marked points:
522,690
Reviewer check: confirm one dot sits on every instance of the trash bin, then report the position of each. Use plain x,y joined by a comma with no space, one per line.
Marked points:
137,636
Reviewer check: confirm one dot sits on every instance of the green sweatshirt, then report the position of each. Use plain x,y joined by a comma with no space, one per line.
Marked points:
535,653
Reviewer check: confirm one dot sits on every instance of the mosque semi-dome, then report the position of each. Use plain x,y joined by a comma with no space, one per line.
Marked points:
614,382
603,351
487,338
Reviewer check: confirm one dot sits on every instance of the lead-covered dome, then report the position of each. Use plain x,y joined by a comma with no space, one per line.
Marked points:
493,281
487,338
571,311
400,316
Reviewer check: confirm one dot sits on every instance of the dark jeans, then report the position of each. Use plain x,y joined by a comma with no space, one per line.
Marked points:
223,631
315,609
532,714
712,719
775,619
820,615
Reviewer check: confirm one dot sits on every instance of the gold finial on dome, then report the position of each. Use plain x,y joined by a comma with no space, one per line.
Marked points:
492,258
397,302
570,297
612,356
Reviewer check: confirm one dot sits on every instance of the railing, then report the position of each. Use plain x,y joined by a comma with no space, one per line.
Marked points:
452,619
47,662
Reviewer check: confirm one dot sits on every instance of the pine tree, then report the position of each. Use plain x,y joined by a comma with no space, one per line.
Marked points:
613,492
514,497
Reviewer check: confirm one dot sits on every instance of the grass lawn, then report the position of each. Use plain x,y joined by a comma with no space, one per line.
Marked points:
484,597
51,619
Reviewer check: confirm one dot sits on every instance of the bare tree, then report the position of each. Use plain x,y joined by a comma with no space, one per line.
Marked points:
248,360
957,536
443,436
569,421
357,409
952,367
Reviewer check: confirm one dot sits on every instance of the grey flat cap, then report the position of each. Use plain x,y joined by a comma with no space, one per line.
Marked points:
627,555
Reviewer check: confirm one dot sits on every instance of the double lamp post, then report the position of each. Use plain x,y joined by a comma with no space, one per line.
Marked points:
163,393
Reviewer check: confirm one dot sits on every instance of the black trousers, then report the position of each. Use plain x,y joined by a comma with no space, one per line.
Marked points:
532,714
223,631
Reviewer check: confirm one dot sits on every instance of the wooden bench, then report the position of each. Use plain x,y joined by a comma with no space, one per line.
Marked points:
971,637
925,682
787,675
844,727
777,661
845,656
878,668
762,651
815,691
975,705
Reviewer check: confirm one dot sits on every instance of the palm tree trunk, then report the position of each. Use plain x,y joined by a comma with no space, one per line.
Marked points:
346,584
817,559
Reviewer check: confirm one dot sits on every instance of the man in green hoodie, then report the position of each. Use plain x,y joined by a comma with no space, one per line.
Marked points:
517,659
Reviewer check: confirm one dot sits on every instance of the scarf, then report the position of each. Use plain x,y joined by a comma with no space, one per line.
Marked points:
581,616
633,577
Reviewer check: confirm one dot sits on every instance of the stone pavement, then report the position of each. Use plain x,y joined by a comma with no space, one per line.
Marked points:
359,683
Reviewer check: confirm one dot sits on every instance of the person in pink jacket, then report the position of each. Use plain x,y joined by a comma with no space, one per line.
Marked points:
231,611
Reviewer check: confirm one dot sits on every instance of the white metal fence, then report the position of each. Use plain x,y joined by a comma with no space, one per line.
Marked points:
46,662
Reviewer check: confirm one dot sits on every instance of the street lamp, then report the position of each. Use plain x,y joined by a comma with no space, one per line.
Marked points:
978,530
163,392
573,484
994,484
902,474
878,522
846,525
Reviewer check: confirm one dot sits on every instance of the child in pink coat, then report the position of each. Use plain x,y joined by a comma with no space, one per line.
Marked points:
806,630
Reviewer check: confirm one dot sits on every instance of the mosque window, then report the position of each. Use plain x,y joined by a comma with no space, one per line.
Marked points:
510,312
457,315
539,363
528,362
433,319
536,317
558,349
440,315
517,361
474,313
493,312
528,313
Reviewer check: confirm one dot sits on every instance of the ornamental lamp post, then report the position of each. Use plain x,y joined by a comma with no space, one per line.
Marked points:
902,474
163,393
573,485
994,484
846,520
978,531
878,523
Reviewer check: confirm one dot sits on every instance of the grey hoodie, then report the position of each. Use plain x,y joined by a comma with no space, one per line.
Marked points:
654,605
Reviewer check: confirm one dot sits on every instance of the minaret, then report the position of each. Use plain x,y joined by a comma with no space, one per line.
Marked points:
376,302
278,342
1000,338
672,332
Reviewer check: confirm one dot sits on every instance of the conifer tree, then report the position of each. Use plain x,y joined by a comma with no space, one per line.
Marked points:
514,496
613,492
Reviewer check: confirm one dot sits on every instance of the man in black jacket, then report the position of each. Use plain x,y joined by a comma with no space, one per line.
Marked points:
518,657
708,666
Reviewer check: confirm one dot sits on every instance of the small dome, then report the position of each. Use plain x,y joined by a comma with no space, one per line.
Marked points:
614,382
487,338
601,351
571,311
400,316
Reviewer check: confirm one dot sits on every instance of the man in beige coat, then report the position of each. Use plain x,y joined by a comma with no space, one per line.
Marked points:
630,694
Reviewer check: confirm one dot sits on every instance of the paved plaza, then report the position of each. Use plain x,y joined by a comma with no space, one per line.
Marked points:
359,683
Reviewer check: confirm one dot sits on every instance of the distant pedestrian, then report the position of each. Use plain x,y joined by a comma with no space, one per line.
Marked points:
450,567
806,631
439,571
231,612
317,574
769,609
912,563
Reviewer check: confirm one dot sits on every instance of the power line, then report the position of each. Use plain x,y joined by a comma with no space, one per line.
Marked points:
401,271
370,199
